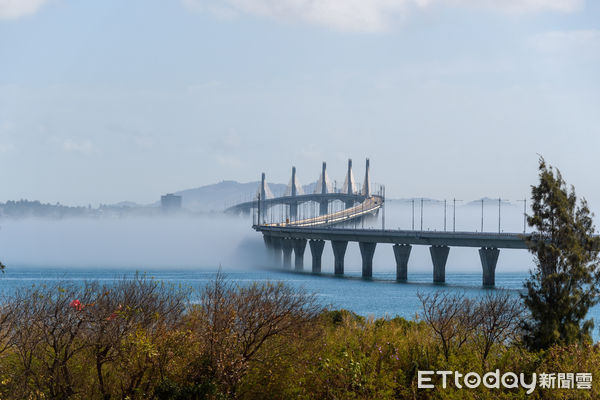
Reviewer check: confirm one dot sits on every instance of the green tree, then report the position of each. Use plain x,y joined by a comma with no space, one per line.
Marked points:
564,284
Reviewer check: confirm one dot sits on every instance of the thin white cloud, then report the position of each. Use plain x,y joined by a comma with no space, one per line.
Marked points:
145,142
84,147
228,160
6,130
232,140
6,148
365,15
572,41
520,6
19,8
202,87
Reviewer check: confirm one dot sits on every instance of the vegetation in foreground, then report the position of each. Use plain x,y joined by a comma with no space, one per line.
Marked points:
566,280
140,339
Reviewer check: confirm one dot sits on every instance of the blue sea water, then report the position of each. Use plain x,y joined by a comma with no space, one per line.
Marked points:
381,296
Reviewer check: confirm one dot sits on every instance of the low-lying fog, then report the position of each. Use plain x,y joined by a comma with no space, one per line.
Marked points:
212,240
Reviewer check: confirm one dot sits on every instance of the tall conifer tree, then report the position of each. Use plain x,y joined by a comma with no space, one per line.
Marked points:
564,284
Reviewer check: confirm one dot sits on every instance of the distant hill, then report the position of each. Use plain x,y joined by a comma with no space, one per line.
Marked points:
486,201
218,196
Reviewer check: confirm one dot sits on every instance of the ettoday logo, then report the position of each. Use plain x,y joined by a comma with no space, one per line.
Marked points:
508,380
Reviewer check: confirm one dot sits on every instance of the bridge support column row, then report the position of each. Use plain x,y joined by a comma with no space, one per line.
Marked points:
316,249
299,246
269,247
293,211
339,251
276,251
489,258
439,256
277,247
367,250
402,253
323,207
286,246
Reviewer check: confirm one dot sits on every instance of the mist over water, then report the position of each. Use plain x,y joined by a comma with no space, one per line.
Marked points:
212,240
140,242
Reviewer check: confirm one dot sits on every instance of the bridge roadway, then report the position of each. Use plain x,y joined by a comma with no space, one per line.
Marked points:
293,201
283,239
369,206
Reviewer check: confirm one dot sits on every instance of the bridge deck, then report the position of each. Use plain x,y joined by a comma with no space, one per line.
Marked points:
432,238
368,206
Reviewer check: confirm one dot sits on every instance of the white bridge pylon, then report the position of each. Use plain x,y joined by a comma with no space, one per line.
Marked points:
324,184
324,193
350,183
293,188
264,192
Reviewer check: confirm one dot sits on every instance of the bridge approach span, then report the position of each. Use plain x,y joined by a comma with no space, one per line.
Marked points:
370,205
430,238
282,240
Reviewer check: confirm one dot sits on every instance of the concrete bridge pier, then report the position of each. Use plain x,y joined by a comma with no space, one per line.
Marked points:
268,247
489,258
299,246
293,211
287,245
367,249
323,207
402,253
439,256
276,246
316,249
339,251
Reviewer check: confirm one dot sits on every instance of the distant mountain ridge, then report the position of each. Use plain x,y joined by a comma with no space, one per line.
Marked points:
218,196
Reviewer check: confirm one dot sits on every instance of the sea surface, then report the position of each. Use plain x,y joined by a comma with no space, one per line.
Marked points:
380,296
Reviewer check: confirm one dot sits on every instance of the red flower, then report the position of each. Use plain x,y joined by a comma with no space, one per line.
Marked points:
114,314
76,304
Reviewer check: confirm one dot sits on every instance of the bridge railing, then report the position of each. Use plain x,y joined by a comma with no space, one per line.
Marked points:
368,206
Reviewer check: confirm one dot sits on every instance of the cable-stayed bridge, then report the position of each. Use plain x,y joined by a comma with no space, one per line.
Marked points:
288,233
358,200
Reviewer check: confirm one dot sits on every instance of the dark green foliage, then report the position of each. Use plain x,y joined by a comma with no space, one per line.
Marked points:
564,284
170,390
336,317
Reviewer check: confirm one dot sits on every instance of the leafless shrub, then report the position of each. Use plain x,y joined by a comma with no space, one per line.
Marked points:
134,337
126,315
7,315
235,323
499,317
44,331
483,321
55,331
450,316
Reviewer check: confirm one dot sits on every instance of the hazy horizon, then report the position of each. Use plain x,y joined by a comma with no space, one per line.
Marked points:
108,101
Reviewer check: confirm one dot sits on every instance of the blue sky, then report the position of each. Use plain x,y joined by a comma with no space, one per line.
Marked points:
103,101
